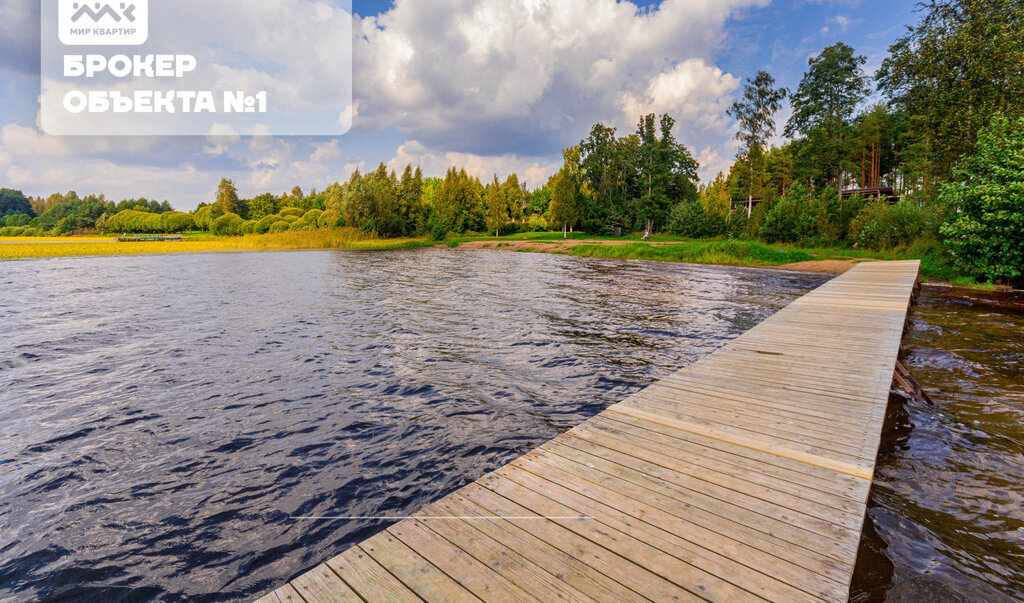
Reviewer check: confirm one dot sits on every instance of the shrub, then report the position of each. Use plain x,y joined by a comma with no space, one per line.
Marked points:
12,231
227,225
33,232
131,220
175,221
692,219
792,219
17,220
293,212
439,228
263,225
738,224
327,219
986,234
312,216
537,223
65,225
882,226
204,216
299,225
279,226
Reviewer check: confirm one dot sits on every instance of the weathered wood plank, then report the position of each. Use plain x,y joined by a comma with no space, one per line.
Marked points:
368,578
323,585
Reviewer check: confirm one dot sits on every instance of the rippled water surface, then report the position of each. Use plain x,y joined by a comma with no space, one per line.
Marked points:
165,420
946,516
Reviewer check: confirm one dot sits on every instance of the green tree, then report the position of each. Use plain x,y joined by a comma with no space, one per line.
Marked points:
611,177
411,199
458,203
14,202
515,197
496,206
80,214
264,205
227,201
569,191
779,168
986,231
539,200
667,171
950,73
824,103
334,198
755,112
715,196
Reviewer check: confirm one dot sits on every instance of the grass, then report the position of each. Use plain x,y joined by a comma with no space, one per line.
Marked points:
341,238
732,253
934,264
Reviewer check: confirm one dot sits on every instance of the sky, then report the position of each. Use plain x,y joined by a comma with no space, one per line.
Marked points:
495,86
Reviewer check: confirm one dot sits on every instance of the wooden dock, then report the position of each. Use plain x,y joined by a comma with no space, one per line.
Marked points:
745,476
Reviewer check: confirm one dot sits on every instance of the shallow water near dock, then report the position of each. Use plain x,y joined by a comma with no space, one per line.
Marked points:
169,420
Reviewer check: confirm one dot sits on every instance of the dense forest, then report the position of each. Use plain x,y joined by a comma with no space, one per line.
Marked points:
926,156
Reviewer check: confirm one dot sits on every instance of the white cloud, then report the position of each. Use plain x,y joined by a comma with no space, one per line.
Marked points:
695,93
529,76
531,172
714,160
495,86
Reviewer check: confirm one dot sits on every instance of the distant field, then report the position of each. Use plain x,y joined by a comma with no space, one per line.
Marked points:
343,238
661,247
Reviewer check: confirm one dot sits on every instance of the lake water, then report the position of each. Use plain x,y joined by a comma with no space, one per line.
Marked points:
168,420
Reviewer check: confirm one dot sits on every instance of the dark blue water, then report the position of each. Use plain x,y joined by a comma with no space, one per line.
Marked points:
164,420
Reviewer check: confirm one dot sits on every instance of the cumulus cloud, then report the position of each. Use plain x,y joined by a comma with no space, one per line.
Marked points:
531,172
495,86
695,93
492,76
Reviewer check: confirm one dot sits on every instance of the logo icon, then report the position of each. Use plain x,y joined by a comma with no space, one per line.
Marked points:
103,22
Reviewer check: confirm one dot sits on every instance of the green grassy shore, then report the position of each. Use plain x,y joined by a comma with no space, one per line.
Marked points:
665,248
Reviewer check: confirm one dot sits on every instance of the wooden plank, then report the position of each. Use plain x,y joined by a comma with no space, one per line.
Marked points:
419,575
657,510
504,561
612,552
561,565
323,585
669,537
816,460
742,477
676,572
716,455
285,594
474,576
368,578
697,460
714,488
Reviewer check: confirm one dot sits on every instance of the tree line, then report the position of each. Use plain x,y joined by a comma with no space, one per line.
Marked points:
940,124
